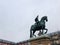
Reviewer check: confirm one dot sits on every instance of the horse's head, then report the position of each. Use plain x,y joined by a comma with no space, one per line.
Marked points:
45,18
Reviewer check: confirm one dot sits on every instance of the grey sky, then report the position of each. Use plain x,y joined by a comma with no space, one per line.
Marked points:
17,16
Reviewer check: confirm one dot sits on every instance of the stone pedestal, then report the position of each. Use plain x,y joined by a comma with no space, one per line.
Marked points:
41,40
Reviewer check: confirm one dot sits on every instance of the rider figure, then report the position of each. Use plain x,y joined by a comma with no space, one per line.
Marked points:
36,20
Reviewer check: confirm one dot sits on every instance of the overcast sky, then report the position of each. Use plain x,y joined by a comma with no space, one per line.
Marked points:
17,16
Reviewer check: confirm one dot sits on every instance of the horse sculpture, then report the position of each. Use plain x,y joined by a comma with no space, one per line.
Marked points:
38,26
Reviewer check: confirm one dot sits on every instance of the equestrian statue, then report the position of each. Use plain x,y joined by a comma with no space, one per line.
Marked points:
39,26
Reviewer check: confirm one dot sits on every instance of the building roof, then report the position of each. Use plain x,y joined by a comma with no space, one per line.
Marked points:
42,36
6,41
54,33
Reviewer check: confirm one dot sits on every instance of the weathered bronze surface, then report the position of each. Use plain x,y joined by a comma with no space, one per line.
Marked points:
39,26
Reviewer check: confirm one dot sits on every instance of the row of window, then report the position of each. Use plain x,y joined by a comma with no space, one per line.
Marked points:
4,44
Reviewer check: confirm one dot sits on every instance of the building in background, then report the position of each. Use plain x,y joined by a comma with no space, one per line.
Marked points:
26,42
5,42
47,39
55,38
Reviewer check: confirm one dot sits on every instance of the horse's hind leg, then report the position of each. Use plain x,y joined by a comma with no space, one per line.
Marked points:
30,33
33,33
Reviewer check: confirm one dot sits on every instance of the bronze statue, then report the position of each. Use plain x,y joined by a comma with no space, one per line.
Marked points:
38,26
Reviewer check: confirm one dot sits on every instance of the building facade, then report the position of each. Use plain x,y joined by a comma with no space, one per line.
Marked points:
55,38
5,42
47,39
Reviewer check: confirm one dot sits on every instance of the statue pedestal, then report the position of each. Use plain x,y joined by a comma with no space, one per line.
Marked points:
41,40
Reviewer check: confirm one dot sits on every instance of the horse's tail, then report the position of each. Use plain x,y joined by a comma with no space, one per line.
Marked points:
30,32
